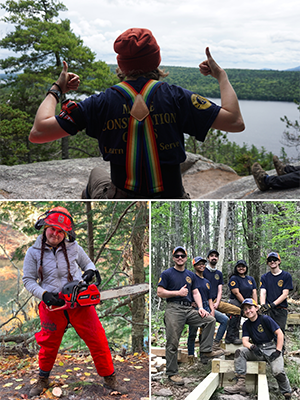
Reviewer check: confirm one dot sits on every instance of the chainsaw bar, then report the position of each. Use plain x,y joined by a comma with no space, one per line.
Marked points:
124,291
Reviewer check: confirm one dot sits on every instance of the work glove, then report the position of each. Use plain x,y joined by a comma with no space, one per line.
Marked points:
266,307
256,350
274,355
88,275
52,299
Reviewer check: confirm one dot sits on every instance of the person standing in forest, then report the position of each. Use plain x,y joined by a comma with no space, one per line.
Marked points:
222,308
203,285
241,286
178,286
274,290
54,260
140,122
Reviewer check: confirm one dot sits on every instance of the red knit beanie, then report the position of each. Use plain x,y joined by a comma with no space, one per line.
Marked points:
137,51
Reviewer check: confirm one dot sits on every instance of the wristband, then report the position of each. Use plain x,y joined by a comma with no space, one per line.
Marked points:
55,93
54,83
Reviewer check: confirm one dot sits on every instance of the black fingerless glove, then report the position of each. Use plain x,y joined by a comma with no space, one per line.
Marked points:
256,350
51,299
88,275
274,355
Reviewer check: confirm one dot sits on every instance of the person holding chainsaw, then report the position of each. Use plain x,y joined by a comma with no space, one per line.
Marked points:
140,122
262,330
52,272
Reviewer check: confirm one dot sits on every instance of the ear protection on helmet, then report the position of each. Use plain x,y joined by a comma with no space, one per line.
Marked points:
60,218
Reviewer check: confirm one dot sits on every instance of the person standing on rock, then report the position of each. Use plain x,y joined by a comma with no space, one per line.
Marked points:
178,286
241,286
54,260
275,286
262,330
222,308
139,123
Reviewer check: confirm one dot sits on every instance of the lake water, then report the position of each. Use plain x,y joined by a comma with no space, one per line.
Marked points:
263,124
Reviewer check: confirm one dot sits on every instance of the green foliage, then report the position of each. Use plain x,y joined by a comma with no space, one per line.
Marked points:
240,158
14,126
291,136
248,84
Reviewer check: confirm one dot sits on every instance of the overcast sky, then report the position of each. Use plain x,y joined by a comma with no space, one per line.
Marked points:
252,34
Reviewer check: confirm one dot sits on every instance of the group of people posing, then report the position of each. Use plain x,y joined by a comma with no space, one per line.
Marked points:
195,298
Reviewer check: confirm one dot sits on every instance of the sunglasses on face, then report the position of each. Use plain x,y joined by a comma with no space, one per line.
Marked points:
272,260
179,255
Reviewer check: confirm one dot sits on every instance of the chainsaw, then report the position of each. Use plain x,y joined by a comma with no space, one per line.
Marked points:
79,294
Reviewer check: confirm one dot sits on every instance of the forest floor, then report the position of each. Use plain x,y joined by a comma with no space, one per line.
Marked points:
163,389
76,376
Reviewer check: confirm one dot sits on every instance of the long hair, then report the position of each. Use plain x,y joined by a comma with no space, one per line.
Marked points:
64,249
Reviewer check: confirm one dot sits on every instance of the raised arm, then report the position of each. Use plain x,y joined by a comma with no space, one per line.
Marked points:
229,118
45,127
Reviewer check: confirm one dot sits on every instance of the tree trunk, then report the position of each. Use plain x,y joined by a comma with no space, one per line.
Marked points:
138,305
90,230
222,230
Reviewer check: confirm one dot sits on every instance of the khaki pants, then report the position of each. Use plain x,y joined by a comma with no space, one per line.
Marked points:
100,187
228,308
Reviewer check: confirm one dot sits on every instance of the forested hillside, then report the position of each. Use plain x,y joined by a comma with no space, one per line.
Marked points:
248,84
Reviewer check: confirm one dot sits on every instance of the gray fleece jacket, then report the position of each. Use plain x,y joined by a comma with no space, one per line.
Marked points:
55,269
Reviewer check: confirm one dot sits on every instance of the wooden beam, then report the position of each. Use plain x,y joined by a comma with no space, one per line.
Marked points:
293,319
225,366
263,389
206,388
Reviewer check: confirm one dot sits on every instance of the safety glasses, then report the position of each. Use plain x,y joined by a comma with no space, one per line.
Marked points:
179,255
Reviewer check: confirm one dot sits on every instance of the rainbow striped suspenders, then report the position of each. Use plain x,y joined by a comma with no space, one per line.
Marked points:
141,143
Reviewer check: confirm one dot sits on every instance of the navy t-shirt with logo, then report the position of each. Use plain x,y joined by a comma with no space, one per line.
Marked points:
275,284
215,278
258,333
203,285
245,285
174,111
172,279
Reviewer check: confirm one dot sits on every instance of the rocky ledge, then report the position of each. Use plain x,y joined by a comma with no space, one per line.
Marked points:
65,179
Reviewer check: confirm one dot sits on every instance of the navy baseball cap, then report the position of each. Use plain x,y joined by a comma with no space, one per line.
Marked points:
179,248
249,301
241,262
273,254
196,260
212,251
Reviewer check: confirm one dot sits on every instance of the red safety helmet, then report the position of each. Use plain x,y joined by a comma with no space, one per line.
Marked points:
60,218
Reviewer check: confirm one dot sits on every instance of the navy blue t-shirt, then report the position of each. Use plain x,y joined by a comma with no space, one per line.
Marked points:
174,111
258,333
245,285
275,284
203,285
215,278
172,279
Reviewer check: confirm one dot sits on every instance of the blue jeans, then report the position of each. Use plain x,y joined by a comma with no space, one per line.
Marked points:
193,331
222,319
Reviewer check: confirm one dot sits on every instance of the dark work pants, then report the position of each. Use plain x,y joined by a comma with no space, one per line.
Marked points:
290,180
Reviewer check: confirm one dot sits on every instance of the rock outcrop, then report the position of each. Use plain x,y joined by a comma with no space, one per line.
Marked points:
65,179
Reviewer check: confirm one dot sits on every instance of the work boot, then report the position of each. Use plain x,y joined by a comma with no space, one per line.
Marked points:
216,345
287,395
239,387
279,166
176,380
206,356
191,360
259,175
110,382
39,386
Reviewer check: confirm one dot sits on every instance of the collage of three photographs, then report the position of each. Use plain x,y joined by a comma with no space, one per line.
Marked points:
149,200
